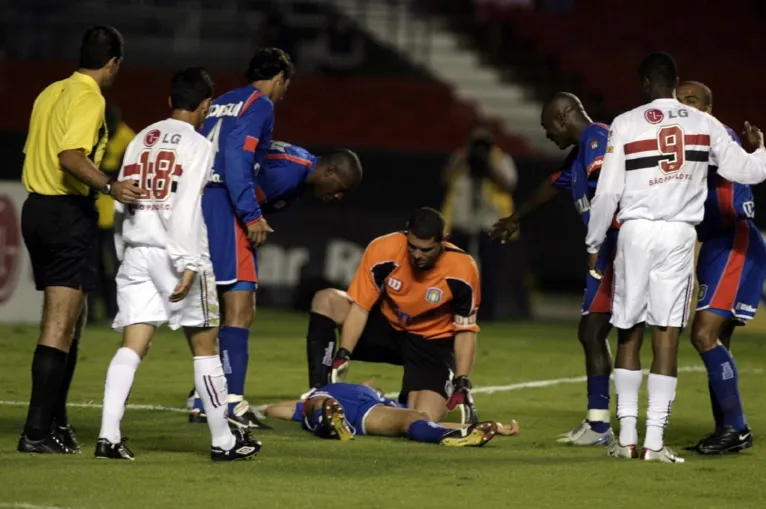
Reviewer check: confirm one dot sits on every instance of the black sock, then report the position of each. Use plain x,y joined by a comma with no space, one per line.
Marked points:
48,368
60,416
320,348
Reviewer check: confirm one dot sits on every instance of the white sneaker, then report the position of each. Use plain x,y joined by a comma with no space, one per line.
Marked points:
664,455
584,435
616,450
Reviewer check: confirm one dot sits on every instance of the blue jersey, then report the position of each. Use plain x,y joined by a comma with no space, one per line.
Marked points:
727,202
240,125
579,173
282,178
356,399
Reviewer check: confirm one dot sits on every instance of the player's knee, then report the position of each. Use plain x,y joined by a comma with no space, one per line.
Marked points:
239,309
703,338
331,303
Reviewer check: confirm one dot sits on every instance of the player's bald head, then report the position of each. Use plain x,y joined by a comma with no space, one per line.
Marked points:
348,166
659,75
561,103
695,94
563,117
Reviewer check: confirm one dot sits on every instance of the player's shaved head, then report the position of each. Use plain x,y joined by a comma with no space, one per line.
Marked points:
695,94
659,75
335,174
348,166
563,118
425,232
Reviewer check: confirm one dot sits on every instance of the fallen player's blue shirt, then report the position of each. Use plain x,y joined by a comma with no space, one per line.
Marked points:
357,400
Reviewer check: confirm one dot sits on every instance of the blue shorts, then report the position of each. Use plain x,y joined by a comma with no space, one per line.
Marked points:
730,270
234,261
598,293
357,400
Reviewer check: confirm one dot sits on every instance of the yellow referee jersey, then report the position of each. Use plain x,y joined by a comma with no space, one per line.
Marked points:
67,115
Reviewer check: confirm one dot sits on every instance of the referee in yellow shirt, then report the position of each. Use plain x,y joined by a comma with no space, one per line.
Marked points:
65,144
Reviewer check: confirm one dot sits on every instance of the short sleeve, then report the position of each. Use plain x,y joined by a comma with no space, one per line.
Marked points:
593,151
376,266
466,295
84,120
562,179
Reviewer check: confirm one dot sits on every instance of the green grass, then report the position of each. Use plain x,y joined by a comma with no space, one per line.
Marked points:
173,468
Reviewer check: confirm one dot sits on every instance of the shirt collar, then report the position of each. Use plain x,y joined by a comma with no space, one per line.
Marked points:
86,80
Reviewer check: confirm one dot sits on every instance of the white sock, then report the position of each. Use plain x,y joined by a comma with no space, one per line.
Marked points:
119,380
210,383
662,392
627,383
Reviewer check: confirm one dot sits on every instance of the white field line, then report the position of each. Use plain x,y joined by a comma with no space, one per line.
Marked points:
23,505
479,390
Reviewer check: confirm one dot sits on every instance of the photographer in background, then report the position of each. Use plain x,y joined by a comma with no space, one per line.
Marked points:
480,178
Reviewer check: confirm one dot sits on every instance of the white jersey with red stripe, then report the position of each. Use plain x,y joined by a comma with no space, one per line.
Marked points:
172,162
656,163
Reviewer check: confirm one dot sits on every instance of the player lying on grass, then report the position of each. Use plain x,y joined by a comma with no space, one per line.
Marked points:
731,267
289,172
341,410
567,125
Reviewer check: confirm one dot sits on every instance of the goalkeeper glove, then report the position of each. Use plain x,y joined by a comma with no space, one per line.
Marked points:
340,366
463,399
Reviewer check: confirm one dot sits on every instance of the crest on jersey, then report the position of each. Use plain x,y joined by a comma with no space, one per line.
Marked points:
433,295
703,292
151,137
594,144
653,116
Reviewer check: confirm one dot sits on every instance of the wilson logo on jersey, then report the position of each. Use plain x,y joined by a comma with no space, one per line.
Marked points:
394,284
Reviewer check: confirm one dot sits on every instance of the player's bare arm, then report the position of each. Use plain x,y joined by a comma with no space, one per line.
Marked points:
184,285
77,164
504,228
257,231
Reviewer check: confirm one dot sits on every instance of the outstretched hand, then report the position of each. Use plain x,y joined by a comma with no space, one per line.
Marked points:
753,134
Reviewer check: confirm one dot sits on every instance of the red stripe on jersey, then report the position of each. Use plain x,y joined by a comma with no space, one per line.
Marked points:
288,157
260,195
555,176
726,291
595,165
251,144
130,170
697,139
245,260
640,146
602,302
250,100
651,145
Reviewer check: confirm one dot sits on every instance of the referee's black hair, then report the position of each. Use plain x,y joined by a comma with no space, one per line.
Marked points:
426,223
267,63
660,69
189,88
99,45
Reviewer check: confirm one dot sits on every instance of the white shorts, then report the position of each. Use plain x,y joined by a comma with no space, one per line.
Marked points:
146,280
653,274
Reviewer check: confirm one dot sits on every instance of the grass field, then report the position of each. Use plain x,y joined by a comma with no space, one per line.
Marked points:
173,469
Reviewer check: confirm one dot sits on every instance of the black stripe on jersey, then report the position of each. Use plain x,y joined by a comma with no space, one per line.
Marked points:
697,156
174,187
462,296
381,271
451,249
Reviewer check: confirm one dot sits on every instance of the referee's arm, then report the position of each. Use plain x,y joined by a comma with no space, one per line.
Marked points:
87,117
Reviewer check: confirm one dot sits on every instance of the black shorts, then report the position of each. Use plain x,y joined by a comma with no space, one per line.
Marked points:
61,236
428,363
